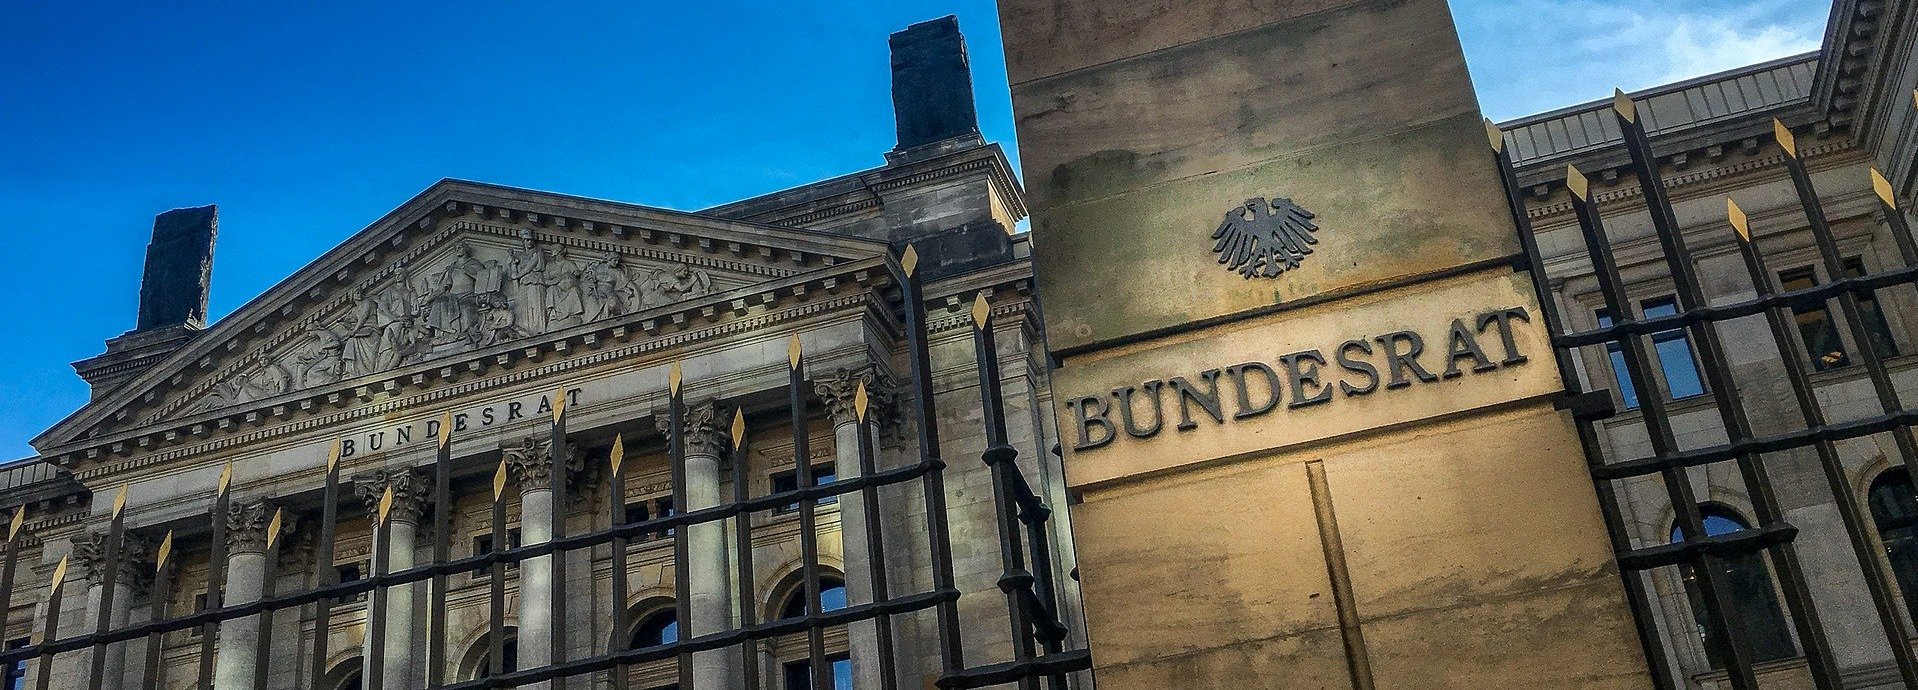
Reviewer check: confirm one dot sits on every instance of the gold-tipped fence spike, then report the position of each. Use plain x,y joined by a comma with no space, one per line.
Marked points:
226,479
386,504
559,405
909,260
166,549
673,377
120,502
618,455
59,575
739,428
1494,136
860,401
1784,136
793,351
273,527
333,454
1882,187
446,428
1739,221
19,520
1576,182
499,481
1624,105
980,310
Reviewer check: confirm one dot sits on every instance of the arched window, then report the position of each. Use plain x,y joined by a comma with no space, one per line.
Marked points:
662,627
1755,602
832,597
509,657
1895,509
353,682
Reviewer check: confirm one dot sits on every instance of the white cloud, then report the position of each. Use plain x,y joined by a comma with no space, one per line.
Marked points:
1530,56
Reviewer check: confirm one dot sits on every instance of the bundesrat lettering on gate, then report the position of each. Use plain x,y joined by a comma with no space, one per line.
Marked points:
1357,367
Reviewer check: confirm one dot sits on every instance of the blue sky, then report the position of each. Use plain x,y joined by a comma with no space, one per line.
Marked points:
306,124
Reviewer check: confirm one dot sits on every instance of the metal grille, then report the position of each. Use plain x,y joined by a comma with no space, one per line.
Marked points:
1029,582
1705,557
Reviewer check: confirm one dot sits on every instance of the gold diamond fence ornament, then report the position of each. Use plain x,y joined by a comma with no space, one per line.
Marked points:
1576,182
1739,221
19,520
673,378
618,455
1624,105
859,401
909,260
980,310
559,405
59,575
1883,187
1784,136
386,504
1494,136
793,351
446,428
499,481
273,527
333,455
120,502
226,480
739,428
166,549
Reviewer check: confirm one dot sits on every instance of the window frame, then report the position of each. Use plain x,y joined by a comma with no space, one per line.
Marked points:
1613,353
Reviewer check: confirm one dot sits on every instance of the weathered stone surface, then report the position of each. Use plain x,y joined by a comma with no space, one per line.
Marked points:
1573,637
1045,37
179,268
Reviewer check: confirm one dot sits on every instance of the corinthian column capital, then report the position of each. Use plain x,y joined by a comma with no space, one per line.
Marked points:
135,560
839,390
532,464
247,523
409,492
706,432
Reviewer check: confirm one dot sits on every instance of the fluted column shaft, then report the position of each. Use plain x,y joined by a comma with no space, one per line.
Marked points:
134,562
237,654
403,526
708,568
838,392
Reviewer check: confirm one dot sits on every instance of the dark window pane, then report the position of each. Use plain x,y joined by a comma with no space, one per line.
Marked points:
798,674
1895,510
1754,600
832,597
1874,318
16,678
789,481
1674,353
638,512
1627,394
1815,327
658,629
509,660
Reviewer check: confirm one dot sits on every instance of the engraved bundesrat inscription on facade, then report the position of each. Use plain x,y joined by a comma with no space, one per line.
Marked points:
1359,366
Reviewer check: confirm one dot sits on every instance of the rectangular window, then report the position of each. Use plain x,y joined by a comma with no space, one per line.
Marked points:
1874,318
799,673
483,544
1674,352
1815,327
650,509
1626,393
789,481
638,512
351,572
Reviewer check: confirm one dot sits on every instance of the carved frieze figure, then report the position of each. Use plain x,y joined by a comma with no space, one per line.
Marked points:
565,295
320,358
610,291
668,285
527,266
382,329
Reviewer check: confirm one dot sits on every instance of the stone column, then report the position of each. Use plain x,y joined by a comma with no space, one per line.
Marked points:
135,574
409,502
839,391
237,654
531,462
708,569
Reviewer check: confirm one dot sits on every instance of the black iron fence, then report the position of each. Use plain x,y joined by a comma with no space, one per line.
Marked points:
1038,632
1708,559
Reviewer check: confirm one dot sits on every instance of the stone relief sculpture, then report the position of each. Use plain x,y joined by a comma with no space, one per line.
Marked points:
471,301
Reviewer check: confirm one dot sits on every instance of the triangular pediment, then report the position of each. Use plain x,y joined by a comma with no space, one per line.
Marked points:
461,268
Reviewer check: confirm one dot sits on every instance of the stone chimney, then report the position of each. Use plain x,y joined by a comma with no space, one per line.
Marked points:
932,91
173,298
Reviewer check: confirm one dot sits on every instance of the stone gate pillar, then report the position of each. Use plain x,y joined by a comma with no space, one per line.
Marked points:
403,525
709,567
1305,399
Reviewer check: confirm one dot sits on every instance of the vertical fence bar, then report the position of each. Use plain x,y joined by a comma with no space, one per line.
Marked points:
52,628
875,541
615,517
9,563
1634,581
442,541
1051,632
1001,457
743,535
109,562
1877,576
263,644
162,591
562,456
1731,411
324,574
496,580
1710,574
808,514
952,655
682,585
376,605
215,572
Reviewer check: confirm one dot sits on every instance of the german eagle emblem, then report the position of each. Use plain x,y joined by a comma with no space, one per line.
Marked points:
1260,239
